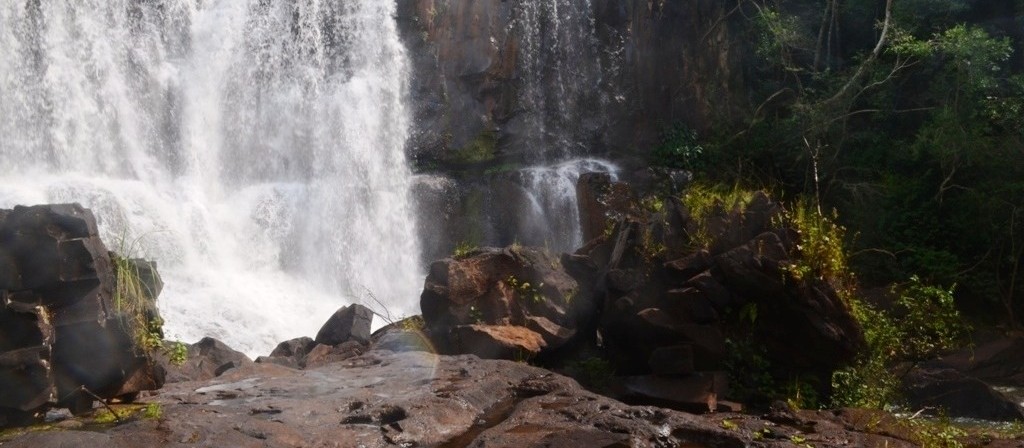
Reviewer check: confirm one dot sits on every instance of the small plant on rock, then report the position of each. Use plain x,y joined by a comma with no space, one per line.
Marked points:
463,249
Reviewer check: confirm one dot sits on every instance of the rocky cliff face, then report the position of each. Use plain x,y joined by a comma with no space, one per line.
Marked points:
531,81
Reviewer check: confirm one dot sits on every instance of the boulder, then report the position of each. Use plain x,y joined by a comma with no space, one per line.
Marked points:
591,190
350,323
25,358
294,348
996,361
398,340
658,289
950,392
323,354
59,279
206,359
696,393
515,287
498,341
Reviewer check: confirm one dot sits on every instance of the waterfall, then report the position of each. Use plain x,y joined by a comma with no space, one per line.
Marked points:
559,70
254,148
564,105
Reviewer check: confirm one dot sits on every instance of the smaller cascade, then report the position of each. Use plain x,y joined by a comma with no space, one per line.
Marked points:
553,210
559,64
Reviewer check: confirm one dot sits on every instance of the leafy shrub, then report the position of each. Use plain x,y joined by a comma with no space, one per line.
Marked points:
679,149
923,323
821,249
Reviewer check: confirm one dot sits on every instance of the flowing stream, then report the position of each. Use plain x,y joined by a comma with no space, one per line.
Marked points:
254,148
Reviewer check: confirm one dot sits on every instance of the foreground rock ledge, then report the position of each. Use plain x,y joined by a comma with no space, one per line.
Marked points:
417,399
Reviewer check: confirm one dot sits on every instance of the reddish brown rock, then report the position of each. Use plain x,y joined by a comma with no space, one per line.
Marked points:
503,288
497,341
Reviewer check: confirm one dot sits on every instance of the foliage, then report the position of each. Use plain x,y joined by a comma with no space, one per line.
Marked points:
526,290
915,138
177,353
821,247
930,321
705,201
413,324
679,149
941,433
464,249
135,301
923,323
870,382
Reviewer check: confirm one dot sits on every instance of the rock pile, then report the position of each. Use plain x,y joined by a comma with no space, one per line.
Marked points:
659,289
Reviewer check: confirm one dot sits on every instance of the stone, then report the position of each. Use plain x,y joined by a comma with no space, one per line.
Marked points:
995,361
323,354
403,341
206,359
56,268
422,399
590,196
350,323
954,394
511,287
683,269
690,305
695,393
293,349
498,341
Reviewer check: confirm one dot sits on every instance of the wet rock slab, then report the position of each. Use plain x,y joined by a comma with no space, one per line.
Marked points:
415,399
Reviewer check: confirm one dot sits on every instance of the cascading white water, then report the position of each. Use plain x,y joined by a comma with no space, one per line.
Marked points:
254,148
553,209
559,69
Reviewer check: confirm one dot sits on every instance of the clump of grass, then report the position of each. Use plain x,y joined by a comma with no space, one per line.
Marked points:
463,249
705,201
135,301
820,250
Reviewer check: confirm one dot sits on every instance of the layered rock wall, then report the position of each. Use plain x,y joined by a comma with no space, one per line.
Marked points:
488,73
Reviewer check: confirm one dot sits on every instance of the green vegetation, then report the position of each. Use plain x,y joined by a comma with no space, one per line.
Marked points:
822,252
135,301
923,323
153,411
679,148
904,116
703,201
480,149
463,249
526,290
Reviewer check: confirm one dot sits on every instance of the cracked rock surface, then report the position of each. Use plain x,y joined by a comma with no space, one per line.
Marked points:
417,399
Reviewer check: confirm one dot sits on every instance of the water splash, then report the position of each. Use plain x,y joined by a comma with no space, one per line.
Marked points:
253,147
551,216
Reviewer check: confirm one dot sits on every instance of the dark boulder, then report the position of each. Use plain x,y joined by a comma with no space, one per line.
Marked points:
55,265
350,323
206,359
665,279
996,361
954,394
